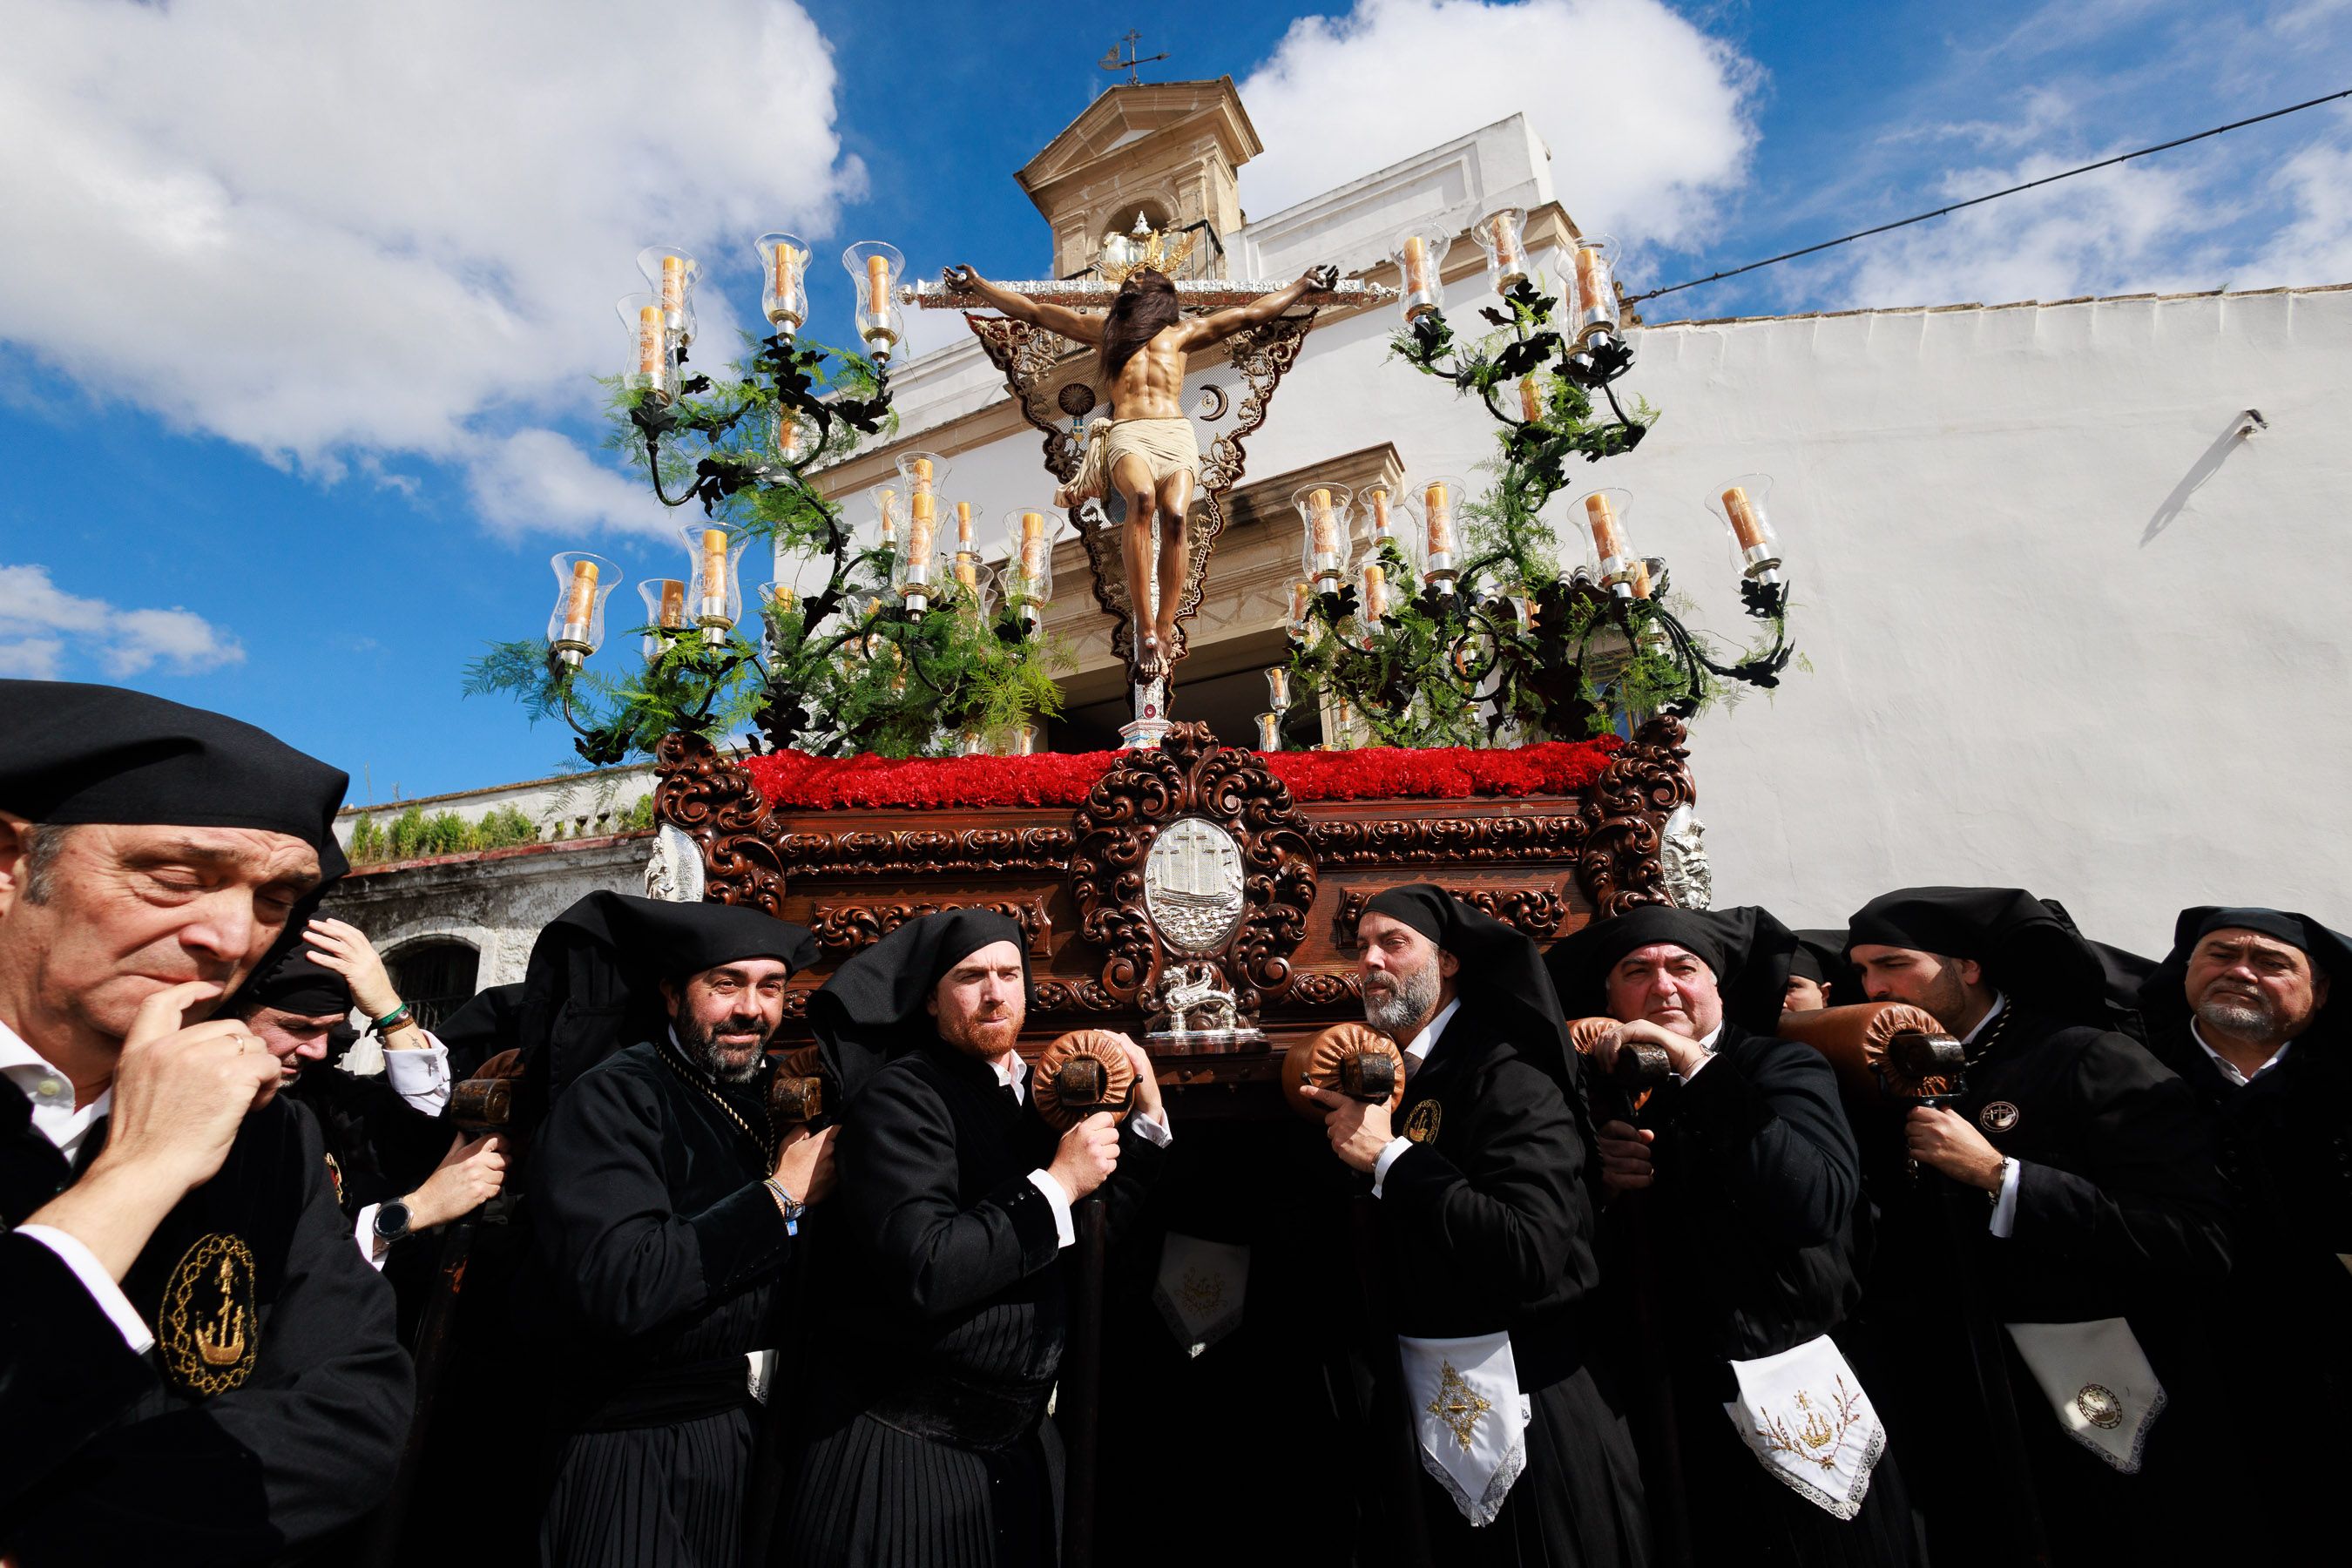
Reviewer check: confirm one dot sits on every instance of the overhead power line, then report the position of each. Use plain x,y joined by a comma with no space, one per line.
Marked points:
1994,196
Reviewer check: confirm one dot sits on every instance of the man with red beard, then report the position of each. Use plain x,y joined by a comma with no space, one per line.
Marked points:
195,1364
930,1446
664,1209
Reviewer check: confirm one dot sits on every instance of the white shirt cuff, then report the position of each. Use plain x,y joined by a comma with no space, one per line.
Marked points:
2004,1207
420,1077
1152,1127
1064,1231
363,1232
97,1282
1396,1146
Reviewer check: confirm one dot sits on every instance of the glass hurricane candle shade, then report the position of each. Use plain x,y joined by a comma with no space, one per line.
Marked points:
714,599
1323,508
1616,567
1269,732
1740,504
973,585
874,269
1593,287
583,584
1277,688
672,274
1441,529
783,289
1385,518
1501,235
650,370
665,600
1028,577
1302,600
1420,290
889,515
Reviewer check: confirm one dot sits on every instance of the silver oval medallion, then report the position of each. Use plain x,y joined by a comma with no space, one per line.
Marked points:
1193,886
1997,1117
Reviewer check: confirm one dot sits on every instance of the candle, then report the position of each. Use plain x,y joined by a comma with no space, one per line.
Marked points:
788,305
1327,533
788,436
673,603
1033,545
967,572
1277,687
964,525
673,285
1641,578
651,343
1530,400
1437,506
1269,732
1607,538
1416,265
1592,289
1508,260
581,605
919,542
1376,593
1302,598
1380,511
878,285
714,572
1744,522
889,518
785,601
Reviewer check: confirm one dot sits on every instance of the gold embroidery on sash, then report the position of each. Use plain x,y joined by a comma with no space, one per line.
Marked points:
1820,1427
1457,1406
209,1333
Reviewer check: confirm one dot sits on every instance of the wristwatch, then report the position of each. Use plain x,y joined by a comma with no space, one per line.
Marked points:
391,1221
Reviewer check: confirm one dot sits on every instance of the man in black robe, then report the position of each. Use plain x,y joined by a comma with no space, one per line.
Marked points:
665,1205
1485,1236
1743,1176
948,1300
2083,1203
2249,1008
195,1364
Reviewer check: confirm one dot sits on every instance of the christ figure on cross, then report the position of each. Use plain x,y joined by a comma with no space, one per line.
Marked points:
1145,456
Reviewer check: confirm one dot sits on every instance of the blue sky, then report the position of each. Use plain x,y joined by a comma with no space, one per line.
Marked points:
303,303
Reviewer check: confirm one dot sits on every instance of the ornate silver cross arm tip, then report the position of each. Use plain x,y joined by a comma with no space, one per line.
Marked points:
1204,293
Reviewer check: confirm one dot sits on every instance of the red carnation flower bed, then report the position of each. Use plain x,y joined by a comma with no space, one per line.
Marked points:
797,782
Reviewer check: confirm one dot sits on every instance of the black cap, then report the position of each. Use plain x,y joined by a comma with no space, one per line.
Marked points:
291,980
1747,948
873,1007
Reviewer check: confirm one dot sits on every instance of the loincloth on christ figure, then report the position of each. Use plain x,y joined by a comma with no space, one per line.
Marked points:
1168,445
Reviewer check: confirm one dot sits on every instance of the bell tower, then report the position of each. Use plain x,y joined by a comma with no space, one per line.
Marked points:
1168,150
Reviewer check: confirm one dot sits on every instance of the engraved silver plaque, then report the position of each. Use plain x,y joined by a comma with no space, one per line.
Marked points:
1193,886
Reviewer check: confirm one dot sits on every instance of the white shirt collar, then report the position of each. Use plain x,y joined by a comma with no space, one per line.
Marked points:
52,1093
1422,1043
2230,1068
1012,1073
2000,1000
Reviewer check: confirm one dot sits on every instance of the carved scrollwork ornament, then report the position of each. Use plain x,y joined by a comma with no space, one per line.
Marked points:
1624,814
713,803
1190,777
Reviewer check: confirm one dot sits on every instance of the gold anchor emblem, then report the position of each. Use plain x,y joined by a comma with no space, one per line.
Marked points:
1421,1121
2100,1407
1457,1405
209,1333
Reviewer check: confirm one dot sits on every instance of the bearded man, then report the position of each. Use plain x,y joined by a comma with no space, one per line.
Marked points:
930,1448
1745,1176
195,1365
2101,1219
665,1207
1485,1236
1144,458
2246,1009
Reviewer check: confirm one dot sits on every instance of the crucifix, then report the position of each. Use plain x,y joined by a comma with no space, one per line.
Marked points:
1132,475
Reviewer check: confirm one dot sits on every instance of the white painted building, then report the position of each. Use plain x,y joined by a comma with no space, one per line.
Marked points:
2067,625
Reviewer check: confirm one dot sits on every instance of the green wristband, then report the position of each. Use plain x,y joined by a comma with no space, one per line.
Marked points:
389,1019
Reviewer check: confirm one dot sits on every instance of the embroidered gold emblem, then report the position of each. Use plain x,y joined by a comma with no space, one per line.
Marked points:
1201,1290
209,1334
2099,1407
1457,1405
1997,1117
1421,1121
1814,1428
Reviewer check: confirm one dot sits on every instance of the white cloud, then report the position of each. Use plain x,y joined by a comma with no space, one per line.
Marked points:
334,233
1647,117
538,480
38,621
2316,247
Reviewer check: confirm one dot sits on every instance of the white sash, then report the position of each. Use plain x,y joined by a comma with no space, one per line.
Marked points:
1469,1417
1200,1289
1804,1416
2098,1382
758,1372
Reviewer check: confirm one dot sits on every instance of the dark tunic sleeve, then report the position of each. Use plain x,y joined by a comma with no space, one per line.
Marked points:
617,1256
307,1443
1502,1214
2144,1202
1764,1130
930,1256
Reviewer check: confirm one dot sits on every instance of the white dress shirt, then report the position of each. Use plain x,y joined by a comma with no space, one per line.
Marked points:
420,1077
2004,1203
2230,1068
1014,1074
55,1118
1415,1056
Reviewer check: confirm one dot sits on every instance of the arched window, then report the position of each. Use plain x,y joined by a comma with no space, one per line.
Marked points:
434,976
